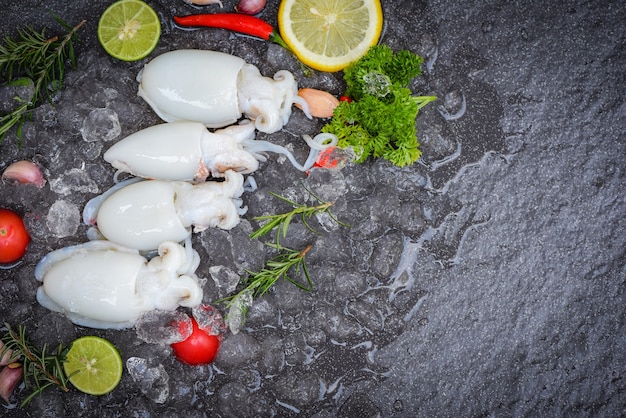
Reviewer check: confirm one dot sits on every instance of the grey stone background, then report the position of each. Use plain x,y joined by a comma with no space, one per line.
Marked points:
485,280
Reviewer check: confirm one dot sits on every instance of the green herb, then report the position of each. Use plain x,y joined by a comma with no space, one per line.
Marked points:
380,119
282,221
39,58
258,283
42,368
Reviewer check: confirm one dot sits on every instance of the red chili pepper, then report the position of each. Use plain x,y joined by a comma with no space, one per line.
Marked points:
238,22
327,159
332,158
345,99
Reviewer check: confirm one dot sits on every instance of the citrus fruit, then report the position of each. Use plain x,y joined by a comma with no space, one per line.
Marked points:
129,30
328,35
93,365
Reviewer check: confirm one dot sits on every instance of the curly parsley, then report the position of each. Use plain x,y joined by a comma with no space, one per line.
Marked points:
379,121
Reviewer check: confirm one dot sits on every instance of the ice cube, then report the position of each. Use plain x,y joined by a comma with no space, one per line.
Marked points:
163,327
101,125
73,181
63,219
152,381
209,319
226,280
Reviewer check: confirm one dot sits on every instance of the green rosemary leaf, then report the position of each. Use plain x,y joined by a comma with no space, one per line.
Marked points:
40,370
286,222
41,59
284,199
282,221
259,283
32,395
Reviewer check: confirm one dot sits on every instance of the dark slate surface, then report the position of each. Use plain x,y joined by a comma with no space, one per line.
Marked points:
486,280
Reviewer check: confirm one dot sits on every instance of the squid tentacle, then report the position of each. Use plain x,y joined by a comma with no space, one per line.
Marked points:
304,105
317,144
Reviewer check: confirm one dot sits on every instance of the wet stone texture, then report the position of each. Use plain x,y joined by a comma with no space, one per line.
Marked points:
485,280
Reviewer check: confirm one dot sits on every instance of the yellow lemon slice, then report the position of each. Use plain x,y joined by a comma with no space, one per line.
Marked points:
129,30
327,35
94,365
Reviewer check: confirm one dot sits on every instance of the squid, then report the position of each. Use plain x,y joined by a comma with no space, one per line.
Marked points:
141,214
184,151
187,151
100,284
215,89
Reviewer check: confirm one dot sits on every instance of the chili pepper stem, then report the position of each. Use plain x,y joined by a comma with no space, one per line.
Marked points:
277,39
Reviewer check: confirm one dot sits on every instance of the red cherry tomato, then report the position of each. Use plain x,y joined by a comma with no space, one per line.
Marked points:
199,348
13,236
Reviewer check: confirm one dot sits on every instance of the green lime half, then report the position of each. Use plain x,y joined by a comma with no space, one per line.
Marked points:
129,30
94,365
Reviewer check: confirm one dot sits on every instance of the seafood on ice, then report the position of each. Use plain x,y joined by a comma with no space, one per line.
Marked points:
187,151
216,88
141,214
184,151
100,284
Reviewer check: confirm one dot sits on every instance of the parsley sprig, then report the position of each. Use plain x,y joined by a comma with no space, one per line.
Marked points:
379,121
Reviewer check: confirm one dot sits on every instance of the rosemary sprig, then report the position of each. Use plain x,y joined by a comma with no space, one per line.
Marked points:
282,221
40,367
258,283
279,266
41,59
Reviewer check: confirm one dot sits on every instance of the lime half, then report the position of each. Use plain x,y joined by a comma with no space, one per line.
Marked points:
129,30
94,365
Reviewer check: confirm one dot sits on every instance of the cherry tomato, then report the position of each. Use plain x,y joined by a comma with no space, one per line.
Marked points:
199,348
13,236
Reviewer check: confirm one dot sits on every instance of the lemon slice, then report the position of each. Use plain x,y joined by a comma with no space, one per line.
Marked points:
129,30
94,365
330,34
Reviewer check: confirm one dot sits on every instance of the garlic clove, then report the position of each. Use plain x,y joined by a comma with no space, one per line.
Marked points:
25,172
10,377
321,103
6,356
250,7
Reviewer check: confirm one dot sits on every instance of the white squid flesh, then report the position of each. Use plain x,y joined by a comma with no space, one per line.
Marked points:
100,284
215,89
142,214
187,151
184,151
